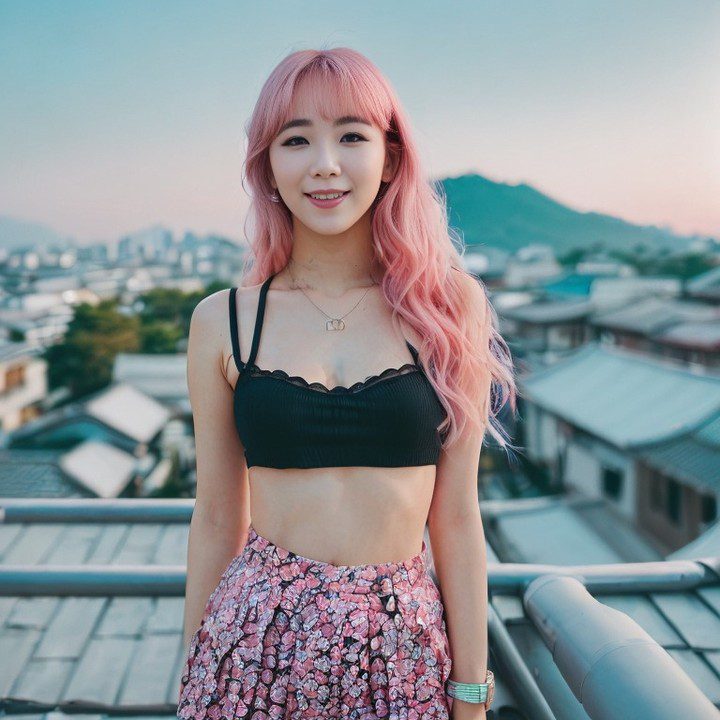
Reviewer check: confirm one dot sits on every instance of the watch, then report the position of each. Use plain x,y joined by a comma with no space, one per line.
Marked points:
474,692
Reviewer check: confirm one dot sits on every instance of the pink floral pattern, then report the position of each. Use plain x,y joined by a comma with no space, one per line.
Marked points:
288,637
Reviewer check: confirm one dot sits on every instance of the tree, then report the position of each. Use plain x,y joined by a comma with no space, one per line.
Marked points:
84,360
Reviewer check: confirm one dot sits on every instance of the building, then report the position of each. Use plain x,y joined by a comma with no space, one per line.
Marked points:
603,420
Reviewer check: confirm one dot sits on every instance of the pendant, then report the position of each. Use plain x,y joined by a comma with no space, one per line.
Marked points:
335,324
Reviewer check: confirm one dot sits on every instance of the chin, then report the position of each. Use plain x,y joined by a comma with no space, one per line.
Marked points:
330,230
333,226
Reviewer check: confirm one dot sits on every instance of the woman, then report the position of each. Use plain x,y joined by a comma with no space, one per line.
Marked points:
340,398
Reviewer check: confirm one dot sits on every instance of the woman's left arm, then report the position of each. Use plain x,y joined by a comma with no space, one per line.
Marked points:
459,556
458,545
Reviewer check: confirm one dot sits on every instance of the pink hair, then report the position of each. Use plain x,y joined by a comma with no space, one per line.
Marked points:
461,348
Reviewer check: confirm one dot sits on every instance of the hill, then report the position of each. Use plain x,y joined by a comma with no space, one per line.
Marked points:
512,216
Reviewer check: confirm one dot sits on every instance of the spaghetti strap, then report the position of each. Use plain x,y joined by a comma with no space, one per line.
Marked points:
259,319
413,352
234,329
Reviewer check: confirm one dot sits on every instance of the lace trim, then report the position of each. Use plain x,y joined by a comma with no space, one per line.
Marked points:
300,381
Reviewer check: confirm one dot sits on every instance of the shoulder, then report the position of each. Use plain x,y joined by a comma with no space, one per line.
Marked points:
209,328
210,335
211,312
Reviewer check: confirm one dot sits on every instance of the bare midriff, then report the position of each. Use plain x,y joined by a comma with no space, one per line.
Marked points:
343,515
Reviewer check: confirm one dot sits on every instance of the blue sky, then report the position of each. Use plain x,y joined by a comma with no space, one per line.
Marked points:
119,115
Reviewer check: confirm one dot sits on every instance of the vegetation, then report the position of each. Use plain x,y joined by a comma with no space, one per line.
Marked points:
83,361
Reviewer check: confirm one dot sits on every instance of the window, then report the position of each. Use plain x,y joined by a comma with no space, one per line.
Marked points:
612,483
674,498
708,508
14,377
656,493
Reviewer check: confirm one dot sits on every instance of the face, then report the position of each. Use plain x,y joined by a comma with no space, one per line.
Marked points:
344,154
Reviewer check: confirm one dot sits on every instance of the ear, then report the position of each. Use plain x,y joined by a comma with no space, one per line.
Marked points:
390,167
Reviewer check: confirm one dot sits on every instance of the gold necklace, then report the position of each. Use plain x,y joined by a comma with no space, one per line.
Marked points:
332,323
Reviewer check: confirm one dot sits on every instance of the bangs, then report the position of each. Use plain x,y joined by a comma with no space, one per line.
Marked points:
332,93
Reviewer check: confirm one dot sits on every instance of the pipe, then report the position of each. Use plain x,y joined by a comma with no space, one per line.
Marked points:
613,667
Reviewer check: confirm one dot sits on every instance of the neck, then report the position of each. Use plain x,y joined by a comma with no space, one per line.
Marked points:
333,264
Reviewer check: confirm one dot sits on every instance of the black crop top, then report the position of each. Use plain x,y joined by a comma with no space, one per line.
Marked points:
387,420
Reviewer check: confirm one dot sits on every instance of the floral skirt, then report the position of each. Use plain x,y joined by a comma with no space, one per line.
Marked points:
286,636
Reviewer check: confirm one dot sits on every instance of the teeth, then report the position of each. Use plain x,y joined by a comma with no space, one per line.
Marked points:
326,197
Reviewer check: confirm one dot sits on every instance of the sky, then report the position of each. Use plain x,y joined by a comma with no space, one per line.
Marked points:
119,115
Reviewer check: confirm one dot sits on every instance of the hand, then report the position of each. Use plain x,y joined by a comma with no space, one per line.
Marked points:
462,710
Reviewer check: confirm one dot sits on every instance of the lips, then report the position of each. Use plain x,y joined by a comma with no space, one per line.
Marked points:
327,192
327,204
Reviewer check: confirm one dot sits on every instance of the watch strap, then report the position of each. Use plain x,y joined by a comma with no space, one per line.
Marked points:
473,692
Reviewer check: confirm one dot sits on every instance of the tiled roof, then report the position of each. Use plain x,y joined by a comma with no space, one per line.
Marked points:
654,314
109,638
101,468
129,411
693,334
162,376
572,648
536,530
120,407
624,397
101,651
693,458
707,280
707,545
36,474
14,350
550,311
577,284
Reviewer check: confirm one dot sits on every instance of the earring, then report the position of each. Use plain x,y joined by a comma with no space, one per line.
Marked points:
275,197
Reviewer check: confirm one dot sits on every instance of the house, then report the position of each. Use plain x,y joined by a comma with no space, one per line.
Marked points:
118,414
531,265
112,443
23,385
637,324
695,343
548,327
600,419
159,376
705,286
679,482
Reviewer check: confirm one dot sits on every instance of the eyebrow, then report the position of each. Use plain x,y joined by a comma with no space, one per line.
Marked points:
303,122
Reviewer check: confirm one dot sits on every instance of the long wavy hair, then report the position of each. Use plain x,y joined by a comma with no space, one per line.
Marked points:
465,358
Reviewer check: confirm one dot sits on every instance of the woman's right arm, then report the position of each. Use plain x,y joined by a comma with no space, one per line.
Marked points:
221,517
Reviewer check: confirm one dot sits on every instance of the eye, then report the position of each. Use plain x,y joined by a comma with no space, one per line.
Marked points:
289,142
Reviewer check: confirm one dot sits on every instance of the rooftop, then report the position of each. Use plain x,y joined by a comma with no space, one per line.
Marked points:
91,600
624,397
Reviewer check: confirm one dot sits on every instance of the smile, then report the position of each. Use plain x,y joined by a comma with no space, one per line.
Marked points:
327,201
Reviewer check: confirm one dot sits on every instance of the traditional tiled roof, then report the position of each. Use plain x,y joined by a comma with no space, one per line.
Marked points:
91,604
624,397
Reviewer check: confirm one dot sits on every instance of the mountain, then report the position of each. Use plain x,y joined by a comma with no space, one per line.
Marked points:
16,234
512,216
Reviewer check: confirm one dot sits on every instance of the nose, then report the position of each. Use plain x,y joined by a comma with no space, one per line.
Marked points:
325,162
